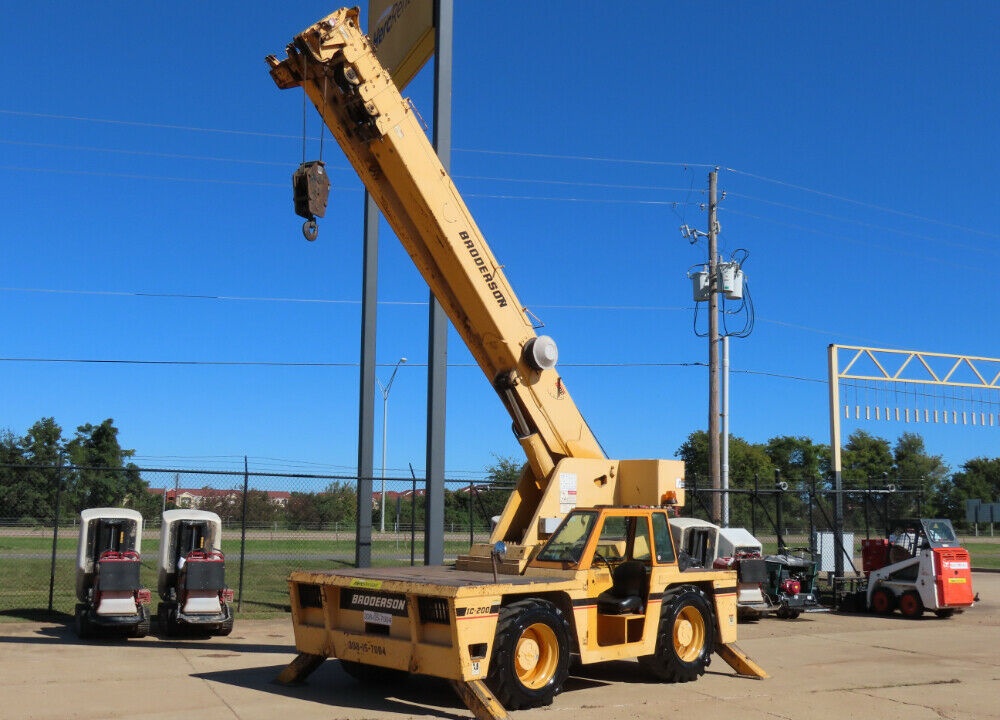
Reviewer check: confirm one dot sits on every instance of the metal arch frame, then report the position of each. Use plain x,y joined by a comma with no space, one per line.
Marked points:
959,361
969,362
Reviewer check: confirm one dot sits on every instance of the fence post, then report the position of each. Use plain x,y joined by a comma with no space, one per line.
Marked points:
472,537
813,545
413,517
243,532
779,514
55,533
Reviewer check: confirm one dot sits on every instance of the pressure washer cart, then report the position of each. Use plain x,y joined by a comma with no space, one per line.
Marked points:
111,598
192,575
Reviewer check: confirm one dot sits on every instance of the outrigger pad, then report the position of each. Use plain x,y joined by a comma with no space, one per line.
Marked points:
300,668
478,698
740,661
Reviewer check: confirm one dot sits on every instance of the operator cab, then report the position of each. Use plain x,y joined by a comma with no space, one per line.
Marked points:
608,536
620,544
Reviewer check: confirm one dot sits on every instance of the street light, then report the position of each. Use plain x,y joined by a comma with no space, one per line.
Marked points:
385,421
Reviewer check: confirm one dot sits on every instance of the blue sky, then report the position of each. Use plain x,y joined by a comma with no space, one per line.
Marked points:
146,161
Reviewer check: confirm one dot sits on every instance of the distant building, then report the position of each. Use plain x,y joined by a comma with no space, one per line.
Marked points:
196,497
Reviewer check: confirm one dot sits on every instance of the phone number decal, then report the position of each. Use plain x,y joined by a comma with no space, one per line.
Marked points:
366,648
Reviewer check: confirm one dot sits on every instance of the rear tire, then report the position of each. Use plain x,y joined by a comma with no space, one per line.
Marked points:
786,613
167,617
911,605
883,601
945,613
685,637
141,628
81,623
226,627
530,654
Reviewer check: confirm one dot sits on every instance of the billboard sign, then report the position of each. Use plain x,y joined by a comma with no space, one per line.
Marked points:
402,32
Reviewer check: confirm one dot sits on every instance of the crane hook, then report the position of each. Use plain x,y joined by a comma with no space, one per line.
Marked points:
310,229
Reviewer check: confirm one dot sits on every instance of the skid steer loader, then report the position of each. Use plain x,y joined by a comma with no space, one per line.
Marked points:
191,580
111,599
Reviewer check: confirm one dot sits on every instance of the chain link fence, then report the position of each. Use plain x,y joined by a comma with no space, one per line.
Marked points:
794,513
272,524
275,523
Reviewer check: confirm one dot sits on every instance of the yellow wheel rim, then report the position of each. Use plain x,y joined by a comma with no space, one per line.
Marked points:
689,634
536,656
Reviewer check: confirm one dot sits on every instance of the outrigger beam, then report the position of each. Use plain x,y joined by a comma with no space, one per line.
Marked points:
740,661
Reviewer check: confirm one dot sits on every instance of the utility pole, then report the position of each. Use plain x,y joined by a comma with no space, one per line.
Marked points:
714,466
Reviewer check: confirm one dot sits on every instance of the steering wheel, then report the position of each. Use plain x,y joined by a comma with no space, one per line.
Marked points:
598,556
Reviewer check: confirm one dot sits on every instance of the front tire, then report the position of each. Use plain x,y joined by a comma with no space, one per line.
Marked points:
911,605
685,637
883,601
530,654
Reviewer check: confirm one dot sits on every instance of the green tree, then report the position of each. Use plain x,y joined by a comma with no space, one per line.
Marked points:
34,485
337,505
979,479
748,464
798,459
504,472
11,475
918,471
103,478
228,505
799,463
865,457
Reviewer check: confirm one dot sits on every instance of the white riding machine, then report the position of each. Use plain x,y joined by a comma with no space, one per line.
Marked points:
192,575
111,598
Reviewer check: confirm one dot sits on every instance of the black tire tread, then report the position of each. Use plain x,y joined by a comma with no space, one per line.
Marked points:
501,679
665,664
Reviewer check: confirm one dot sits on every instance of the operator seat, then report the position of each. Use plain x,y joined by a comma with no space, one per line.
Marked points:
627,594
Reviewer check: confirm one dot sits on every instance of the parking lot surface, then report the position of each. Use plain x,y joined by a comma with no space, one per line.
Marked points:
825,665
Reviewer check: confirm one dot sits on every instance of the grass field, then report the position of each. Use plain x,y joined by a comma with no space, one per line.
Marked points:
25,564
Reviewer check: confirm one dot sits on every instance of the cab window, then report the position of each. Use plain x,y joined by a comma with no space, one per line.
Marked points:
641,548
661,539
569,540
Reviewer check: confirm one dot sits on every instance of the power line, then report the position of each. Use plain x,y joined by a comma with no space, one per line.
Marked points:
546,156
840,218
894,249
150,153
318,364
409,303
136,176
137,123
571,183
610,201
586,158
267,363
507,153
322,301
861,203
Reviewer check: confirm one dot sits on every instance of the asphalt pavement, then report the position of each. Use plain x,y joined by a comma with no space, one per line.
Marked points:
825,665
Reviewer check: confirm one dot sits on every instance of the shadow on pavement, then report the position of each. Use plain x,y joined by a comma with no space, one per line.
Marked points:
64,634
331,686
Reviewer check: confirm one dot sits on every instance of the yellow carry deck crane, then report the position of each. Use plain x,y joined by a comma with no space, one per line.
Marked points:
581,561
